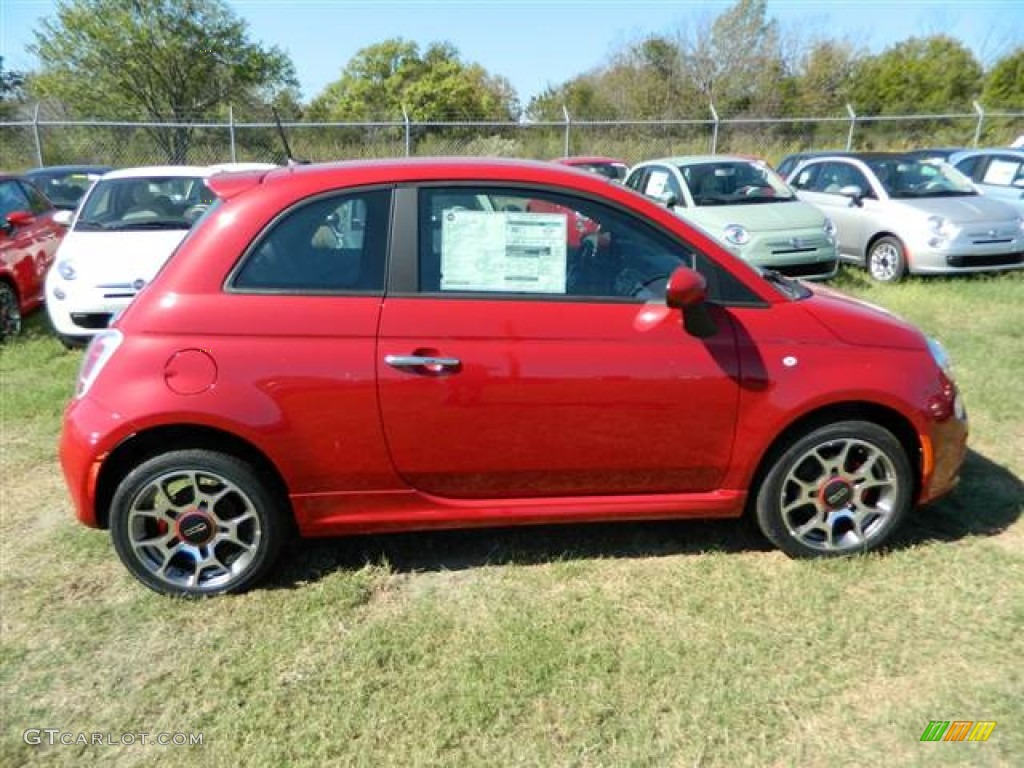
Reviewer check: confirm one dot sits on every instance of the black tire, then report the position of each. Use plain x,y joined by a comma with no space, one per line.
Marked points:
839,489
10,311
74,342
887,260
218,528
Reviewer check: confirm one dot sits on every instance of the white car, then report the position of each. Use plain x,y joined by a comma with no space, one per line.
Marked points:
125,228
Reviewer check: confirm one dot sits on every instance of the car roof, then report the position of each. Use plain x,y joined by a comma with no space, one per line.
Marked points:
984,151
159,170
700,159
85,168
585,159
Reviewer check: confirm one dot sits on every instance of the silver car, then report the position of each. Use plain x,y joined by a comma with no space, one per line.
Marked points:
999,173
896,214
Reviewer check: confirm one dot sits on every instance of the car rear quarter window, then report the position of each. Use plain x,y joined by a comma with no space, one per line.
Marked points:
36,200
333,244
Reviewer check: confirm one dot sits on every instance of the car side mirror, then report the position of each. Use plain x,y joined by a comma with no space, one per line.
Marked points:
855,193
671,201
63,218
687,291
18,219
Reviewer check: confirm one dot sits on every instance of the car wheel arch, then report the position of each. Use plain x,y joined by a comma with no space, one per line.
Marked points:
888,418
146,444
878,236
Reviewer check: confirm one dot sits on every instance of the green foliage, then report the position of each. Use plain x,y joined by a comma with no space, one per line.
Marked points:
1004,84
382,79
918,76
158,60
12,91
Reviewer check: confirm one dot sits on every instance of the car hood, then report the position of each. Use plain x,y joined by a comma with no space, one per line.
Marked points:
861,323
104,258
960,210
756,217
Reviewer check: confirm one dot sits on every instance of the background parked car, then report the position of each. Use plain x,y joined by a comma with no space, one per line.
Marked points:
936,155
747,206
789,163
29,237
896,214
65,185
608,167
125,228
999,173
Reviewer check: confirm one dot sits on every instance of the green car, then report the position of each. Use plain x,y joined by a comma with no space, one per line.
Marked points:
747,206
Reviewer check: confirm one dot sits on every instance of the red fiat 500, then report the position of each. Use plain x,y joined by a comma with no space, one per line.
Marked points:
343,349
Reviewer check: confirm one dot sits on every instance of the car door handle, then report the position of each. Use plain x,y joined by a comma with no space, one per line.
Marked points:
429,363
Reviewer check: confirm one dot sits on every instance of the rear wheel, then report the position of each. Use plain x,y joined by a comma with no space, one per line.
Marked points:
887,260
839,489
197,522
10,311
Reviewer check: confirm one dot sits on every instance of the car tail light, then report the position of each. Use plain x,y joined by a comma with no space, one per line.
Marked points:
100,350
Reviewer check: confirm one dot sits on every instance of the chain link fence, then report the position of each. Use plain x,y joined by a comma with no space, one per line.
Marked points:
28,143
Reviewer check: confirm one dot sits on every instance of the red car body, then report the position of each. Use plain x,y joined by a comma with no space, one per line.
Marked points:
28,243
554,409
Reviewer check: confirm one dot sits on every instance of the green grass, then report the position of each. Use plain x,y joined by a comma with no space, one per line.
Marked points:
658,644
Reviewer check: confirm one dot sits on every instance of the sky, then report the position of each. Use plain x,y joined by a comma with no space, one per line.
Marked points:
537,43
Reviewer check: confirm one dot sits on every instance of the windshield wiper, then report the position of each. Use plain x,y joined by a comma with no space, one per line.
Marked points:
788,285
90,226
150,224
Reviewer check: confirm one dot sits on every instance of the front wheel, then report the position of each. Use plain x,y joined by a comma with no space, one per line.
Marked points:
887,260
840,489
196,522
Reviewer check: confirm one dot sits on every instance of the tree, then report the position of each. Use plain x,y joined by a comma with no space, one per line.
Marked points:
155,60
918,75
735,61
824,78
1004,84
437,85
12,90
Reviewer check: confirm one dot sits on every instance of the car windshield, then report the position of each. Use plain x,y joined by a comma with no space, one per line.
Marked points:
153,202
65,189
734,182
908,177
613,171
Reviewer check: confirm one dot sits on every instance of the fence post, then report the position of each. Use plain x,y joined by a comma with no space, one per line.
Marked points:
853,122
714,129
408,132
977,128
231,131
35,131
568,122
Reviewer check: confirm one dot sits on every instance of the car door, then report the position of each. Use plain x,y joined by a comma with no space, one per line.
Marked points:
511,364
27,249
819,183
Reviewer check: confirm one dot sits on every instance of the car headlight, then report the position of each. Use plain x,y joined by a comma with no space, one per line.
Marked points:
1020,222
736,234
940,356
942,227
66,270
830,229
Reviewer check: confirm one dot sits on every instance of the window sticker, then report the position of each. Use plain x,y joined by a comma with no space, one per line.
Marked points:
1001,172
503,251
657,184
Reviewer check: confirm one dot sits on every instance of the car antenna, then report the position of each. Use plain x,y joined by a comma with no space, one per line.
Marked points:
284,140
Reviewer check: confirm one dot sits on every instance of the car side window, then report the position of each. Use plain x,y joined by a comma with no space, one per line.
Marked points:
1004,171
969,166
662,185
834,176
328,245
807,177
536,242
12,198
36,200
637,179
